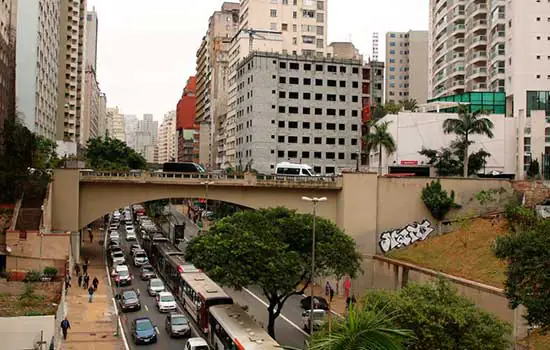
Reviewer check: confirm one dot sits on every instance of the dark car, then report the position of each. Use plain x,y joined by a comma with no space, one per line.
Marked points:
147,272
143,331
177,325
113,245
128,300
319,303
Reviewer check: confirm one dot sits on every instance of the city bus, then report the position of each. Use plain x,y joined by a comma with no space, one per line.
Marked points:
199,293
185,167
231,328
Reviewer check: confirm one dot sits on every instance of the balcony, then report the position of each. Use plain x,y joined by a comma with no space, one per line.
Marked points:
454,44
455,57
479,87
477,9
478,40
477,25
477,72
458,28
477,57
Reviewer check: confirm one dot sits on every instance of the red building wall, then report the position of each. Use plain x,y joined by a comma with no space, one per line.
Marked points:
185,111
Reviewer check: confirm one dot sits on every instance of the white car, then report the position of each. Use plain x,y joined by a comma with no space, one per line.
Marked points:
166,302
118,258
196,344
114,235
155,286
135,247
140,258
131,235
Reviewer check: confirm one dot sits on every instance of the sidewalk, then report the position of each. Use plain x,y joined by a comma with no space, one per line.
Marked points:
93,325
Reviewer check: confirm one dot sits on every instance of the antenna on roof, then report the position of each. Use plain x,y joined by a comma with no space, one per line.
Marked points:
375,46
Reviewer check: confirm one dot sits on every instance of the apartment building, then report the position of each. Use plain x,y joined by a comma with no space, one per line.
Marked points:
115,124
300,109
406,66
146,136
91,39
90,107
186,124
72,69
130,128
8,23
211,80
102,122
37,51
166,144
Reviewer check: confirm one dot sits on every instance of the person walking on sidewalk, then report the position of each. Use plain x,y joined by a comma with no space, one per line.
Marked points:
79,281
95,283
67,282
65,325
77,269
85,268
91,292
86,281
90,234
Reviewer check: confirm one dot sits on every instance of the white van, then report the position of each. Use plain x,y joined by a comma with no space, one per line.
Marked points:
292,169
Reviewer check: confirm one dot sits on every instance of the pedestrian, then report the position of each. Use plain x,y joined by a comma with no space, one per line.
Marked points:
67,282
353,300
91,292
95,283
65,325
331,294
85,268
347,286
327,288
86,281
348,301
87,261
79,281
77,269
91,235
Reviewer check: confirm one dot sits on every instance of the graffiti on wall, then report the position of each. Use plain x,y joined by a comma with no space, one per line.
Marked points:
405,236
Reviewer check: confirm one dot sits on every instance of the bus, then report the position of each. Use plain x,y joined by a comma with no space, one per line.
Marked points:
199,293
186,167
231,328
170,263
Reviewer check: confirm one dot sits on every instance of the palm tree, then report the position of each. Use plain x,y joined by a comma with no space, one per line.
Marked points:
362,329
410,105
468,124
366,137
380,138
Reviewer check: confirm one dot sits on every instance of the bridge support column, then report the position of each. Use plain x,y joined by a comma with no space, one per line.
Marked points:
76,244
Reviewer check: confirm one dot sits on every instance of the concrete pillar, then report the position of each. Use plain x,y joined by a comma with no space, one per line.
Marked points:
76,244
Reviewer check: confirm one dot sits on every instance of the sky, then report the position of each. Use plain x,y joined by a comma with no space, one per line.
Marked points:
146,48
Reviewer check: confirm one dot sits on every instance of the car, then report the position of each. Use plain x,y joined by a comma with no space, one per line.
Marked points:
196,344
140,258
113,245
115,249
147,272
155,286
128,300
122,275
143,331
114,236
118,257
319,319
134,247
318,303
177,325
131,236
166,302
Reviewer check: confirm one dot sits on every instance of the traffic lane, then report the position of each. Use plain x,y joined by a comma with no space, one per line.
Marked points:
292,309
286,333
148,308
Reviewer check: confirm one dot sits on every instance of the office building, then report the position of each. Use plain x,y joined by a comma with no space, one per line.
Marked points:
167,141
146,137
211,90
115,124
91,39
90,107
130,128
298,109
102,122
406,66
37,51
8,18
72,71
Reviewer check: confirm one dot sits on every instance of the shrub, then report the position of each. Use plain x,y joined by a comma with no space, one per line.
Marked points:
437,200
50,271
33,276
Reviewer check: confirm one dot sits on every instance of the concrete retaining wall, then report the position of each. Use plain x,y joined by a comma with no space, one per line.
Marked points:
26,332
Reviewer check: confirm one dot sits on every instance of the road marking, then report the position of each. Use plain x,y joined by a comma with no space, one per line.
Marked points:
146,308
121,330
138,292
157,330
281,315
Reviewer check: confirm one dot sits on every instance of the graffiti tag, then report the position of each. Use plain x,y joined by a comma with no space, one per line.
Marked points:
405,236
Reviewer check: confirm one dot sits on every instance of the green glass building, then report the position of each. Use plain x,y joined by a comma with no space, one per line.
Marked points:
492,102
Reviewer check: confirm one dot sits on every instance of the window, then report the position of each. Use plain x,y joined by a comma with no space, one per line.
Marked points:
318,82
305,139
305,125
342,69
308,39
331,141
307,81
331,83
342,83
293,110
318,126
355,70
354,142
282,94
318,67
320,30
341,156
331,112
284,27
355,84
342,112
342,142
320,17
306,96
342,98
281,139
294,15
294,81
294,66
318,97
281,123
305,155
331,69
331,126
293,95
282,65
306,110
318,111
292,139
293,125
320,43
330,155
320,5
282,109
273,13
354,127
354,113
292,154
294,41
354,98
307,66
318,140
317,155
282,80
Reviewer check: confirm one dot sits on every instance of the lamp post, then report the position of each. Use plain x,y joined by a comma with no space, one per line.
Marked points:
314,201
206,193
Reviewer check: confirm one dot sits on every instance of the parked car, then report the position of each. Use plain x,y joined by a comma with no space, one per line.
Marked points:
118,257
147,272
177,325
319,319
318,303
155,286
123,277
196,344
140,258
143,331
166,302
128,300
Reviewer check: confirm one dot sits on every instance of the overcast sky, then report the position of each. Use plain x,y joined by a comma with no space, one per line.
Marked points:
147,47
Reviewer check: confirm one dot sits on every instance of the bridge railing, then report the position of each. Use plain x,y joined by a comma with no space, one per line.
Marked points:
297,179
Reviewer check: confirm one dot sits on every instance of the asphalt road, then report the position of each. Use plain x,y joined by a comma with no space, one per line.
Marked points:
288,330
148,308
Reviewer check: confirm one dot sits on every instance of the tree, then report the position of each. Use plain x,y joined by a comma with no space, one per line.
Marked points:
465,125
366,140
441,319
156,208
112,154
271,248
410,105
437,200
392,108
378,112
369,328
448,160
527,275
380,138
534,169
44,153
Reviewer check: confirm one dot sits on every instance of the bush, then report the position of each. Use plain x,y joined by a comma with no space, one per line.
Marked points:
521,217
437,200
33,276
50,271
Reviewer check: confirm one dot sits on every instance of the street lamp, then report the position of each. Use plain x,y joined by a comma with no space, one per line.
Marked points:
206,194
315,201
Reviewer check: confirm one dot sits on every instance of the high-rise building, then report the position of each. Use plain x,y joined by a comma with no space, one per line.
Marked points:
212,62
406,66
91,39
102,120
146,137
115,124
298,109
37,53
72,71
130,128
185,125
278,27
90,107
167,147
8,16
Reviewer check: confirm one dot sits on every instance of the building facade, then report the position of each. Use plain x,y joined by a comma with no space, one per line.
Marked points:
90,107
185,125
8,18
146,137
37,52
91,39
298,109
130,128
115,124
72,71
102,120
166,144
406,66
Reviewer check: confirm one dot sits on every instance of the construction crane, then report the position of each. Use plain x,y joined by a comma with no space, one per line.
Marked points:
255,33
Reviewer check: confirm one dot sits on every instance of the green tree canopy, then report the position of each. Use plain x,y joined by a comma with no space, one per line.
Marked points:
527,252
392,108
437,200
271,248
112,154
440,318
410,105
